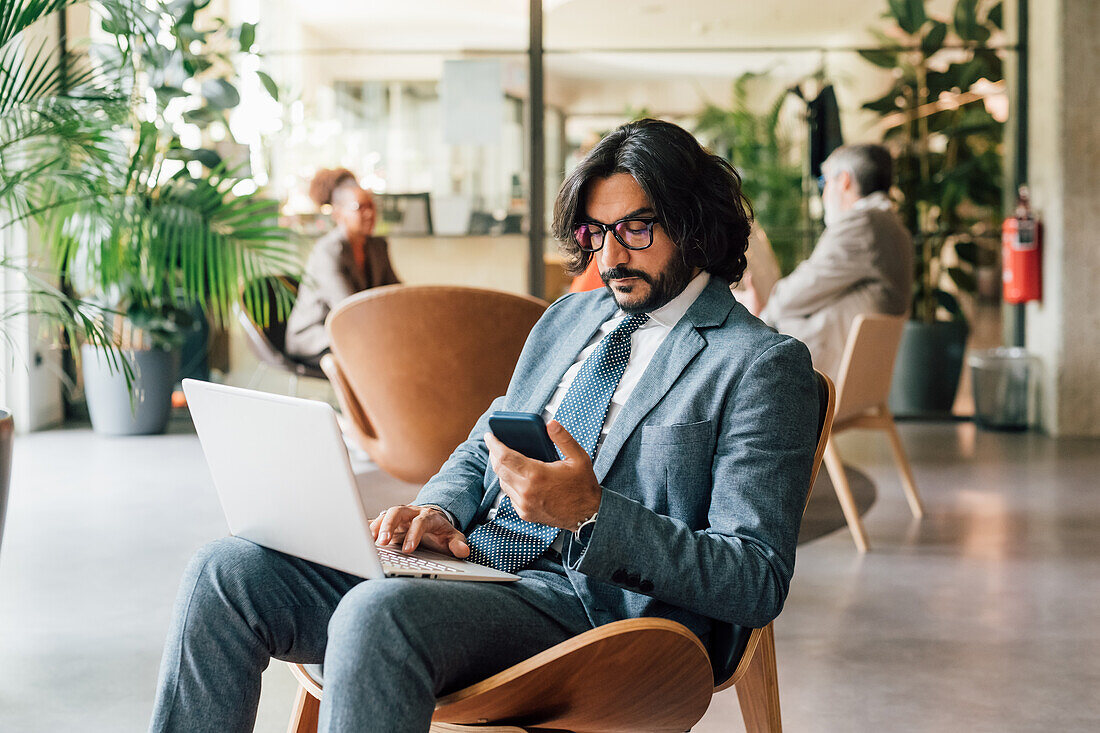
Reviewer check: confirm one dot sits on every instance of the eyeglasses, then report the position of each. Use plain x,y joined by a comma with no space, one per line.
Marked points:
631,233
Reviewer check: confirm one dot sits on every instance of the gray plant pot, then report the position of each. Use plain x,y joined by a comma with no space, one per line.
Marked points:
7,437
926,374
109,401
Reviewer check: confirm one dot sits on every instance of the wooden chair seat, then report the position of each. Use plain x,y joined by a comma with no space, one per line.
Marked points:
655,670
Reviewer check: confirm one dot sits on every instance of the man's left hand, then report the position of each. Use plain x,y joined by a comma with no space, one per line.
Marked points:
560,494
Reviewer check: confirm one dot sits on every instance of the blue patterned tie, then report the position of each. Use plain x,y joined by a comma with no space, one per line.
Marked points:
509,543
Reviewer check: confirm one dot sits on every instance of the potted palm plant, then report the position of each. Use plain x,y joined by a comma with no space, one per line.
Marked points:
150,250
165,236
947,143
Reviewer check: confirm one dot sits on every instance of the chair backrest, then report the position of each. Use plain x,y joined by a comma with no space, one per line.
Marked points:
267,342
867,367
826,401
423,363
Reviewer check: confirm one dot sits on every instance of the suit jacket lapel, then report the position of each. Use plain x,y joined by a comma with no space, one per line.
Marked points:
681,347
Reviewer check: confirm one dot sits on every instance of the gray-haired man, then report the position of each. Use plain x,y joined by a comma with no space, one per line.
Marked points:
862,264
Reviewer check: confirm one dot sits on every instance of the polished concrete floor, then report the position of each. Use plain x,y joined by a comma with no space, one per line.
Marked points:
983,616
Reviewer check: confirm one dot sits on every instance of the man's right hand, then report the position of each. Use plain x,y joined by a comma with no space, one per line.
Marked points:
416,525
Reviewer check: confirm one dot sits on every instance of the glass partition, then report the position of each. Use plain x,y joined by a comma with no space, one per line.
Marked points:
426,103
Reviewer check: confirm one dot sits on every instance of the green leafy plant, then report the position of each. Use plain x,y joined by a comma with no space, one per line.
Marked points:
57,116
164,232
190,63
948,146
757,143
78,320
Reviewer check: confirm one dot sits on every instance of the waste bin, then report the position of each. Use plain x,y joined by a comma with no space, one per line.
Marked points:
1004,387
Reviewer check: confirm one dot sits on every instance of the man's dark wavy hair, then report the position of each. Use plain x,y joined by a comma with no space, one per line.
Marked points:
696,195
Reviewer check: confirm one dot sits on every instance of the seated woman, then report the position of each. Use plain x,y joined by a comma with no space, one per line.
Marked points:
343,262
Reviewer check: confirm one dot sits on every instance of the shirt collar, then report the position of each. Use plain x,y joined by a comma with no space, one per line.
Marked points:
876,200
669,314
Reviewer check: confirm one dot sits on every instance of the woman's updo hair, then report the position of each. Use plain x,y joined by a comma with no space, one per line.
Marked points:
326,181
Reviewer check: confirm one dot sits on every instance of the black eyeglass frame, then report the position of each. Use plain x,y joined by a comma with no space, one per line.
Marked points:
649,221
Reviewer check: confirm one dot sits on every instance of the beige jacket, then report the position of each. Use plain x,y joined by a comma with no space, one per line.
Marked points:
331,276
863,263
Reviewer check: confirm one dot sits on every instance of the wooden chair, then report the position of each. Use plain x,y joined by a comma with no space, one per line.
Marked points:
267,342
642,674
862,390
414,367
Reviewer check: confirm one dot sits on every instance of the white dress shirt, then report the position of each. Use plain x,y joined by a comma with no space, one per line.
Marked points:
644,343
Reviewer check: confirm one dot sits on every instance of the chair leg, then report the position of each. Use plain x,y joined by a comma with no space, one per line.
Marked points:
844,494
303,717
758,690
904,469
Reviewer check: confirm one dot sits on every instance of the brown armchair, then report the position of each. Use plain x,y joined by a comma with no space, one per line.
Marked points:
413,367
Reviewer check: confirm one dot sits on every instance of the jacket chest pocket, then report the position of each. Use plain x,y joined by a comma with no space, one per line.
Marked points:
685,434
677,458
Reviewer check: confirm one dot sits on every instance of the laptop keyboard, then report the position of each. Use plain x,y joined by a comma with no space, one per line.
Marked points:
410,562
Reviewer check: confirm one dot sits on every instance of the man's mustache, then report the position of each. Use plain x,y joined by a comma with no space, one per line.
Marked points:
618,273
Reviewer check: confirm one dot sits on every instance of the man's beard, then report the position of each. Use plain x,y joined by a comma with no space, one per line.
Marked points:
662,288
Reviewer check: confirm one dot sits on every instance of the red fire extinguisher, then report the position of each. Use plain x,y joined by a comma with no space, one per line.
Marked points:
1021,249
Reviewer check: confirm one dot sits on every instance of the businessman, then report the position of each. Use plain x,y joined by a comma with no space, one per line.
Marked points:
687,430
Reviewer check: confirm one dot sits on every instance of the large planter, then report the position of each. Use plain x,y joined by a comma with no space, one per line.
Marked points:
109,402
7,433
927,370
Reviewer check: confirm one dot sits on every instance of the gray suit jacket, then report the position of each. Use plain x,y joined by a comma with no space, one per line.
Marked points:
331,276
705,470
862,264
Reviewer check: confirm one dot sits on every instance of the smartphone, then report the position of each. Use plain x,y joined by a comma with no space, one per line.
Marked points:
524,432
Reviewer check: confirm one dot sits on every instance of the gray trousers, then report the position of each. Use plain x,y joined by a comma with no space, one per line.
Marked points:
389,647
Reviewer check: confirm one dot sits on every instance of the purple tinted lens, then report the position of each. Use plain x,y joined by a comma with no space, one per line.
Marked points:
584,236
633,232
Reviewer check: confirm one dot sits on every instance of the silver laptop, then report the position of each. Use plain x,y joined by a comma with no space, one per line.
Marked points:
285,481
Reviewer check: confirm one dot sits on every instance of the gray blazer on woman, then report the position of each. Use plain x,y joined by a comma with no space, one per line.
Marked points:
705,470
331,276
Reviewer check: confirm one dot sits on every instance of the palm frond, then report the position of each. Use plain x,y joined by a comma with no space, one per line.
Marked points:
57,113
74,158
80,321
